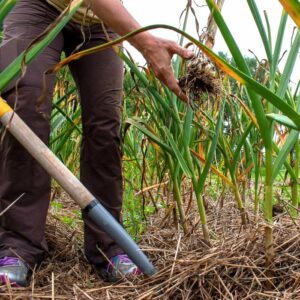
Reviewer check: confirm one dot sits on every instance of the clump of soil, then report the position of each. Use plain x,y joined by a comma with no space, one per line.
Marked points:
201,78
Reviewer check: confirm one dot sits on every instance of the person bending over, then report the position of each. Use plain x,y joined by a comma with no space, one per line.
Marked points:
99,80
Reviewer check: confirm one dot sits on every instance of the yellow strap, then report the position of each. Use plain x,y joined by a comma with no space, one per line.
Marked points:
4,107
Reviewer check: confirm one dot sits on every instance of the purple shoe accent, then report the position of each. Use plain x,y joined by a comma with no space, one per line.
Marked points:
4,281
114,261
121,266
14,270
8,261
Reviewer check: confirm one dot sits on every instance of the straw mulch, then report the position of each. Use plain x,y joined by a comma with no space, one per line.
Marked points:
233,267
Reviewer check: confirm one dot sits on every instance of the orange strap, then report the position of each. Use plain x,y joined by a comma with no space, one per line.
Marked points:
4,107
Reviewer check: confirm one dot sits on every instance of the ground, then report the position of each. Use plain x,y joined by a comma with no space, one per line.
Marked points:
232,267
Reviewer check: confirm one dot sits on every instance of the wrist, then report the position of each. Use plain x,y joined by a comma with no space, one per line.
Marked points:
143,41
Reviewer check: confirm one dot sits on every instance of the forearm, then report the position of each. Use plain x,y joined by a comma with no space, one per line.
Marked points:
157,52
116,16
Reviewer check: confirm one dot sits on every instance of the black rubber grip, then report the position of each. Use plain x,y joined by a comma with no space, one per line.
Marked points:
90,206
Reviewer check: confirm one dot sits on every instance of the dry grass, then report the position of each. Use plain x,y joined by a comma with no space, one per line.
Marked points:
233,268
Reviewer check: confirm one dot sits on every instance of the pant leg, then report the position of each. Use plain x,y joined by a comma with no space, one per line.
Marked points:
99,78
22,226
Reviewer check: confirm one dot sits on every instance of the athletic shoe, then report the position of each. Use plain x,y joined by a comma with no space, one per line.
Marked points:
14,270
118,267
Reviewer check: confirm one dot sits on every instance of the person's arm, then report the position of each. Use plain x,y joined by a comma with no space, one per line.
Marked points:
158,52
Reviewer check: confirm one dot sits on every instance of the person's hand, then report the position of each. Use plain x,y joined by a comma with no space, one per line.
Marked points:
158,53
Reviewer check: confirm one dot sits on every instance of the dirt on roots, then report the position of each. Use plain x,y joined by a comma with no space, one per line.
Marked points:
232,268
201,80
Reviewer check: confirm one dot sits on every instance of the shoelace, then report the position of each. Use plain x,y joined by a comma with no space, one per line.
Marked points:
8,261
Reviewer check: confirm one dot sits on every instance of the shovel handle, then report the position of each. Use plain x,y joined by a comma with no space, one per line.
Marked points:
72,186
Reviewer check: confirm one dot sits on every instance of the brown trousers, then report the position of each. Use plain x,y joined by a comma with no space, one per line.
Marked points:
99,80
